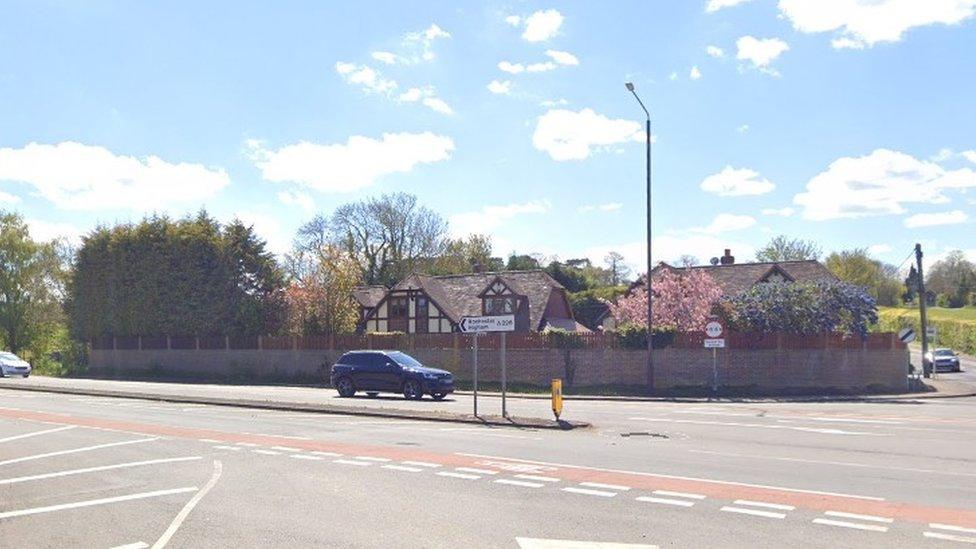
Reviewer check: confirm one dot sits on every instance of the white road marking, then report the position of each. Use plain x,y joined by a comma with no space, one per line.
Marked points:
77,450
306,456
667,501
421,464
534,543
841,463
136,545
761,426
752,503
680,477
266,452
277,436
231,448
248,444
797,418
948,537
587,492
854,525
351,462
521,483
477,471
286,449
678,494
874,518
326,454
537,478
951,528
457,475
56,474
371,458
402,468
210,440
36,433
185,512
93,502
605,486
754,512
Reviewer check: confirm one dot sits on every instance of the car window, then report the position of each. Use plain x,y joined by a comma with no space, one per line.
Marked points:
943,352
404,359
378,360
353,359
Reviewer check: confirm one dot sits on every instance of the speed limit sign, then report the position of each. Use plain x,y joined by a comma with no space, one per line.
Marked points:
713,329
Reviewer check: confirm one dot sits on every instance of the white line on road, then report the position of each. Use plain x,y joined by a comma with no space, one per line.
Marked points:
76,450
779,506
874,518
678,494
533,543
402,468
521,483
760,426
421,464
56,474
231,448
248,444
185,512
93,502
266,452
286,449
667,501
351,462
948,537
136,545
36,433
537,478
457,475
371,458
754,512
605,486
476,471
885,467
587,492
679,477
951,528
210,440
308,457
326,454
854,525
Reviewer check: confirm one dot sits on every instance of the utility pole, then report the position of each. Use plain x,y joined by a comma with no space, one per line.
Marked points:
921,309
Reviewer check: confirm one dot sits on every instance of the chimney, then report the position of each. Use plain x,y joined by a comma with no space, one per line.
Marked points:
728,258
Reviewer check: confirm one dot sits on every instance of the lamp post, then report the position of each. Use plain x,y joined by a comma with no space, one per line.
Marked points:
650,295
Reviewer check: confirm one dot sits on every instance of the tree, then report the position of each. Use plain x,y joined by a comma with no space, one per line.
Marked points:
802,308
465,255
31,277
687,260
857,267
782,248
954,277
619,271
683,300
522,263
319,298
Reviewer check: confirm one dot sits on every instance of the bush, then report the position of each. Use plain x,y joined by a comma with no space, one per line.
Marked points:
633,336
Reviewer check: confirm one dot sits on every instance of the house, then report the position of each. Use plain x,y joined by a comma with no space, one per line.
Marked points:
734,278
435,304
367,298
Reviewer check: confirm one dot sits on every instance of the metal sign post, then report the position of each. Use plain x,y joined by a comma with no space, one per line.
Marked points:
474,357
479,325
504,383
714,341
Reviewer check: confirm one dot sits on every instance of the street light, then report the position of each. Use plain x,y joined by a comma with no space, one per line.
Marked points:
650,295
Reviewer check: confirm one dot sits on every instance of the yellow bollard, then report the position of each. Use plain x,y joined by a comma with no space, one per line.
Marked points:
557,397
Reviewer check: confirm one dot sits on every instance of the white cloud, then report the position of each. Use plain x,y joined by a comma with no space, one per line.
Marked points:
419,46
715,51
488,218
74,176
541,67
695,74
879,183
511,68
879,249
724,223
46,231
296,198
7,198
714,5
513,20
736,182
943,155
859,24
743,128
933,219
608,207
427,96
562,57
561,102
760,52
350,166
267,228
969,155
779,212
542,25
366,77
384,57
437,104
500,87
570,135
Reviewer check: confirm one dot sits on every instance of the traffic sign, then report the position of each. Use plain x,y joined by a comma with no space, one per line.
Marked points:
480,324
713,329
717,343
907,335
931,331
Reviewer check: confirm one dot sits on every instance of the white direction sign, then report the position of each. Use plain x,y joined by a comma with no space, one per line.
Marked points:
713,329
480,324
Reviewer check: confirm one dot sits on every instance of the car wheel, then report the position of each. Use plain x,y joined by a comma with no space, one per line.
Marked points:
26,376
371,394
439,396
345,387
412,390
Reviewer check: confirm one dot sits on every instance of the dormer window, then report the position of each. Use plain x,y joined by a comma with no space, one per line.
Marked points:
499,305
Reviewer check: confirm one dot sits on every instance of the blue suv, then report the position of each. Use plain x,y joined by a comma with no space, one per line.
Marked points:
389,372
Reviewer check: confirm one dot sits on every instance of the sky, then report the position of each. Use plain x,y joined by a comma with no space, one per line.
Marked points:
848,122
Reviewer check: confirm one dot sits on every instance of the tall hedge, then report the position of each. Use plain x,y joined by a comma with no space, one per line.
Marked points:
179,278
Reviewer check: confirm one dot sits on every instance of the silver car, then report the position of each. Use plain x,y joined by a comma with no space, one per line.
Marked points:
13,365
945,360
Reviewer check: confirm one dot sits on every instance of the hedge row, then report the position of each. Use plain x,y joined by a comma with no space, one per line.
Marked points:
957,334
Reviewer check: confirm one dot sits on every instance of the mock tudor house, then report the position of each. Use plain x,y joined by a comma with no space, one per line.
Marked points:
421,304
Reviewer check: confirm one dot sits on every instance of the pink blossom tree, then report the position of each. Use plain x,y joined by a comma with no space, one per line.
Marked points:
683,301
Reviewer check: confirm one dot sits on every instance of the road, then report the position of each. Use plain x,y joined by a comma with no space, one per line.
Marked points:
103,472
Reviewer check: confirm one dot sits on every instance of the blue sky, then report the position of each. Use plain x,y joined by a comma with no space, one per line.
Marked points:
847,122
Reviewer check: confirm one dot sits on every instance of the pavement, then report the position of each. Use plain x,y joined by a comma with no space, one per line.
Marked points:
94,471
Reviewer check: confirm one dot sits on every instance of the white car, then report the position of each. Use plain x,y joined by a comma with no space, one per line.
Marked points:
13,365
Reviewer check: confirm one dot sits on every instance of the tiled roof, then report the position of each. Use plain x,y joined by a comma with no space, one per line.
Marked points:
459,295
739,277
368,296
